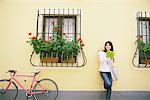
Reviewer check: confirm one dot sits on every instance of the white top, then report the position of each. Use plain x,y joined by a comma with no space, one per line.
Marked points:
104,61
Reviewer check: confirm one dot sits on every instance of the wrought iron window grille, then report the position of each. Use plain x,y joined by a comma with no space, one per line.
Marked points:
69,23
141,58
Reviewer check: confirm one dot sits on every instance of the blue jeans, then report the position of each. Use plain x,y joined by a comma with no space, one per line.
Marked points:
106,76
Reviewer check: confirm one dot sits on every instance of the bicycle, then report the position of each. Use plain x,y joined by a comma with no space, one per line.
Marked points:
44,87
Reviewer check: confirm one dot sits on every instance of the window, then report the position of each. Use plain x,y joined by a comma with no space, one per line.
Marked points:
67,26
66,43
143,35
69,21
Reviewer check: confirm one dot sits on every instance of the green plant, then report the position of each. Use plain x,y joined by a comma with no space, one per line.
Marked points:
144,48
71,49
39,44
57,45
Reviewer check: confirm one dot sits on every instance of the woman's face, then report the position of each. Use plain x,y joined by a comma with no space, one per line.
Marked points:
108,47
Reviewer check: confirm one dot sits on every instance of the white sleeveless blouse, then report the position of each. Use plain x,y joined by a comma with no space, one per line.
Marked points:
103,62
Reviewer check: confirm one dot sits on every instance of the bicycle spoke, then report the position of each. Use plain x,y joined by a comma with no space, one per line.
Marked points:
10,93
51,92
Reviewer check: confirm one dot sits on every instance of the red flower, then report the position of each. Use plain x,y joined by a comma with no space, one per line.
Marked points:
46,41
50,37
63,34
55,29
140,36
29,33
82,45
79,39
53,23
34,38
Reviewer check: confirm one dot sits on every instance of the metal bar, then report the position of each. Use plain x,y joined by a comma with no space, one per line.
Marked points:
149,30
49,24
80,22
141,28
146,27
68,34
37,26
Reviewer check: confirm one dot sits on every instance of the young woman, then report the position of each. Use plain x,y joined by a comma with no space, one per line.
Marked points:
105,69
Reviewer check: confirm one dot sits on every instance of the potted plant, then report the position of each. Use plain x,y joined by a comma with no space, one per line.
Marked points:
144,50
57,48
71,50
41,47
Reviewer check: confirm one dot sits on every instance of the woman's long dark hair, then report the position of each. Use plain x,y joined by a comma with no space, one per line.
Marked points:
110,43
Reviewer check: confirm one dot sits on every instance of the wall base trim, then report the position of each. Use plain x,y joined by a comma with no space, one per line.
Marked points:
95,95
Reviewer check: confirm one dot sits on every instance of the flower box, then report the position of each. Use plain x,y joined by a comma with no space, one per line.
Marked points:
68,61
145,61
48,60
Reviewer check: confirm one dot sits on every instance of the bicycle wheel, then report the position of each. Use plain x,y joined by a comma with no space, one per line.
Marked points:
51,92
10,93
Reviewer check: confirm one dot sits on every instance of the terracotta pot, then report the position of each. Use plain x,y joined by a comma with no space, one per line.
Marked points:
48,60
144,61
68,61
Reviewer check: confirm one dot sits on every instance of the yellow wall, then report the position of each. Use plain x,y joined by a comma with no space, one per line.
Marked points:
102,20
0,30
1,27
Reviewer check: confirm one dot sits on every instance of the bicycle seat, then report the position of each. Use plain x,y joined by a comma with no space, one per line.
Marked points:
12,71
36,73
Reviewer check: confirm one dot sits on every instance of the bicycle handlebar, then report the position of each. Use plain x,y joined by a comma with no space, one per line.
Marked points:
12,71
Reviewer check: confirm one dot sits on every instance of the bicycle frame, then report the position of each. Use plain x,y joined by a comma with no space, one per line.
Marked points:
28,91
